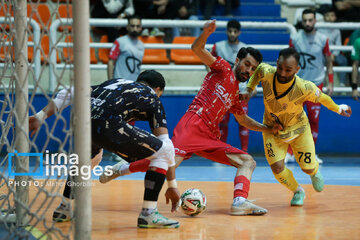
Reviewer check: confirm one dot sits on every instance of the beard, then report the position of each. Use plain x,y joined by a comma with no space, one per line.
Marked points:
242,76
134,34
284,80
308,29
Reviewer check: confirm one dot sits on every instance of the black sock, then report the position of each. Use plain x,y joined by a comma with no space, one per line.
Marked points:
153,184
69,190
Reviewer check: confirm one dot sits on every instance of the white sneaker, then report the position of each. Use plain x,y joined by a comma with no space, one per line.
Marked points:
156,220
145,32
157,33
289,158
62,213
117,172
320,161
247,208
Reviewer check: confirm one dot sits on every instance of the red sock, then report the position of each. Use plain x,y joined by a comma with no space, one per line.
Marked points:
139,166
241,186
290,151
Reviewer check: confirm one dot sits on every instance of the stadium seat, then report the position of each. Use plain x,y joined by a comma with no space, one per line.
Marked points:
65,11
35,1
44,50
104,52
5,12
40,13
4,49
184,56
62,1
69,52
154,56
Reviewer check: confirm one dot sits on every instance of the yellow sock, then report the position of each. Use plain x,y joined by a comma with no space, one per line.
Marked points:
287,179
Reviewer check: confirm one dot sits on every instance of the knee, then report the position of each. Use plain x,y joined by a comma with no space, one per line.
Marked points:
249,162
278,167
308,171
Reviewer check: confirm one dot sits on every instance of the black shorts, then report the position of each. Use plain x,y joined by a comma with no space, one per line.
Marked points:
129,142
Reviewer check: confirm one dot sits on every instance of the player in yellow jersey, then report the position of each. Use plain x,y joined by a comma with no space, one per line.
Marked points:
284,94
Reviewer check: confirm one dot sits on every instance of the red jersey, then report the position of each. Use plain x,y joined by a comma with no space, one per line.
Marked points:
219,93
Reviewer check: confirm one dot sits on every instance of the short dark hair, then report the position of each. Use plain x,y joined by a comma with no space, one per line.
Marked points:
288,52
233,24
129,18
308,11
329,9
153,78
244,51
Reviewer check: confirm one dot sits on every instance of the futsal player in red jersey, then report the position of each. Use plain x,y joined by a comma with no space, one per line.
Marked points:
198,130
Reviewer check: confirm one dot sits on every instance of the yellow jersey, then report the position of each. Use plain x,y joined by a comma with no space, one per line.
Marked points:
286,107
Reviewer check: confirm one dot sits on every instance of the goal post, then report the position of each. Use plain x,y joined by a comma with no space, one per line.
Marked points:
28,194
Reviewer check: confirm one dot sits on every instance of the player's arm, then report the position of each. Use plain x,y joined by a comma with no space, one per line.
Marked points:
354,77
61,101
248,122
253,82
329,67
343,109
198,45
110,68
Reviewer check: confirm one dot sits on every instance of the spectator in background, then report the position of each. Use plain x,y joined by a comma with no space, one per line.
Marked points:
127,53
355,56
314,51
155,9
335,39
347,11
187,10
209,6
120,9
228,49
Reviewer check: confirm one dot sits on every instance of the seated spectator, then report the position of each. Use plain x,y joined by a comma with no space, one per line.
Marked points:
334,37
120,9
155,9
187,10
347,11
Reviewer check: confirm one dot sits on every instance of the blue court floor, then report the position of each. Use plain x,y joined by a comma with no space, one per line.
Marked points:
336,170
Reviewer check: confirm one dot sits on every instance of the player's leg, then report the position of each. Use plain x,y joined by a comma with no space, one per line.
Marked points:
224,127
126,144
304,151
275,151
243,131
224,153
313,110
63,212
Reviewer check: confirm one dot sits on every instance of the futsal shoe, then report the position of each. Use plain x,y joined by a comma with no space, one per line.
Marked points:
317,181
289,158
62,213
116,172
156,220
298,198
246,208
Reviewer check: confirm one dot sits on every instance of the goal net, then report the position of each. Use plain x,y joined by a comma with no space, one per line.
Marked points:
30,188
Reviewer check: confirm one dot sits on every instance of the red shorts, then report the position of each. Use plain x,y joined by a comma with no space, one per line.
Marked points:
192,135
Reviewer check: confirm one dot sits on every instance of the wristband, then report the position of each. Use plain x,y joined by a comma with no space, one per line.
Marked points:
354,86
342,107
331,77
41,115
172,183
